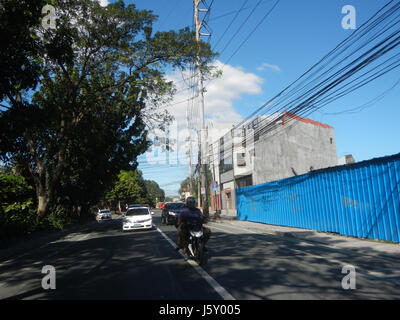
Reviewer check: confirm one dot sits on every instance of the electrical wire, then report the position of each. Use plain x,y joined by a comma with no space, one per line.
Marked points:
230,24
241,26
252,32
318,93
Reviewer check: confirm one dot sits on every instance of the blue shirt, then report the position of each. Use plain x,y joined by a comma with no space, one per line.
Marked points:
190,215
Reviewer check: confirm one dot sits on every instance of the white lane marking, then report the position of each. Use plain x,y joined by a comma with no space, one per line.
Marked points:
211,281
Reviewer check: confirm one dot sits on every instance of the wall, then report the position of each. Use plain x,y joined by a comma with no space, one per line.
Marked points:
359,200
293,149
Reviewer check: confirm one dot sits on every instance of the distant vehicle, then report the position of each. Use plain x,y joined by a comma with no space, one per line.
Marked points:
128,206
162,205
168,215
137,218
104,214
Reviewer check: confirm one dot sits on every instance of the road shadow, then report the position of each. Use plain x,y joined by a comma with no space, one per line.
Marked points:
137,265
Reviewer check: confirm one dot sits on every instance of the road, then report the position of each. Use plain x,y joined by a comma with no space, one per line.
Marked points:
102,262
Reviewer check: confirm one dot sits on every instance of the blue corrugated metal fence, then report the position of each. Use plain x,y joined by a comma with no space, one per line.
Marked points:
359,200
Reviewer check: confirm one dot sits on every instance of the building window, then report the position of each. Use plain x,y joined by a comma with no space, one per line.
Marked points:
244,137
331,140
256,135
241,159
244,181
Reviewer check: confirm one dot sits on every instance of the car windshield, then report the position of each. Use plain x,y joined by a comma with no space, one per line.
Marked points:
104,211
177,205
137,212
134,205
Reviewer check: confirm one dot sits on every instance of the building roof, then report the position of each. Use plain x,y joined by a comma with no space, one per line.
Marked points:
305,120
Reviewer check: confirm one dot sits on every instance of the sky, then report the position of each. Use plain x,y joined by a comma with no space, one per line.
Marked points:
294,36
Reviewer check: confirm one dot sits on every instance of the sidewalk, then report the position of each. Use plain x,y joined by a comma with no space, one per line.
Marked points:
382,248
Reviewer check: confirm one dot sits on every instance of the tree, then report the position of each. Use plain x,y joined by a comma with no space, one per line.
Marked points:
186,186
192,186
154,192
101,75
129,188
21,63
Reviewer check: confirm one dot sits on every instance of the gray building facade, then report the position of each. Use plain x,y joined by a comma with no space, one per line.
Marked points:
269,148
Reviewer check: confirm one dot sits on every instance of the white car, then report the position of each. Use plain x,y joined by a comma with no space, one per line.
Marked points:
137,218
104,214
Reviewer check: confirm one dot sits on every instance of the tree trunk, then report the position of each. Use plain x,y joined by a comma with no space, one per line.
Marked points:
43,202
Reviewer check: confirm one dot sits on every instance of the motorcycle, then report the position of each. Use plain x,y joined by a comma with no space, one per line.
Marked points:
196,243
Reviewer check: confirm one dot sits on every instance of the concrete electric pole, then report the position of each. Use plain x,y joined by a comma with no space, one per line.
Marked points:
190,151
203,133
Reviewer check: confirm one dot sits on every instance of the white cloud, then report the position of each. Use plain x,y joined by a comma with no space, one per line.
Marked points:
219,98
269,66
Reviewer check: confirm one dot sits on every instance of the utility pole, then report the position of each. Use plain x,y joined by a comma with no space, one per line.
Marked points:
190,152
203,134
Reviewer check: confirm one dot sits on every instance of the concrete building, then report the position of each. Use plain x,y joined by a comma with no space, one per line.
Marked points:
268,148
346,159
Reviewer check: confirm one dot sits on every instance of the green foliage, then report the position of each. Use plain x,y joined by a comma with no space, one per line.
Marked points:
154,192
14,192
185,185
59,217
130,187
95,83
16,201
17,211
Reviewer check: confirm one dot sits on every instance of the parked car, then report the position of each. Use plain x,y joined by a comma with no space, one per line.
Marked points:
104,214
137,218
168,215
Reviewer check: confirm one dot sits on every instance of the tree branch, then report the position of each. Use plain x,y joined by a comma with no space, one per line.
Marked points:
5,107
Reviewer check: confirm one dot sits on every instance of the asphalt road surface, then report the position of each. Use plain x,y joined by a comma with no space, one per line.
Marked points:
102,262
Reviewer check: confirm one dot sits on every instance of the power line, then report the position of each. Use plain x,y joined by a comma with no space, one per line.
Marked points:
233,19
253,30
364,105
335,86
241,26
227,14
309,71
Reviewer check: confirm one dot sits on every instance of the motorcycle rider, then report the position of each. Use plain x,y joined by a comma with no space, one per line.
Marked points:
189,214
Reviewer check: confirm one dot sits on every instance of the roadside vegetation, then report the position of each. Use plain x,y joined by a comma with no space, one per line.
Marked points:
76,105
